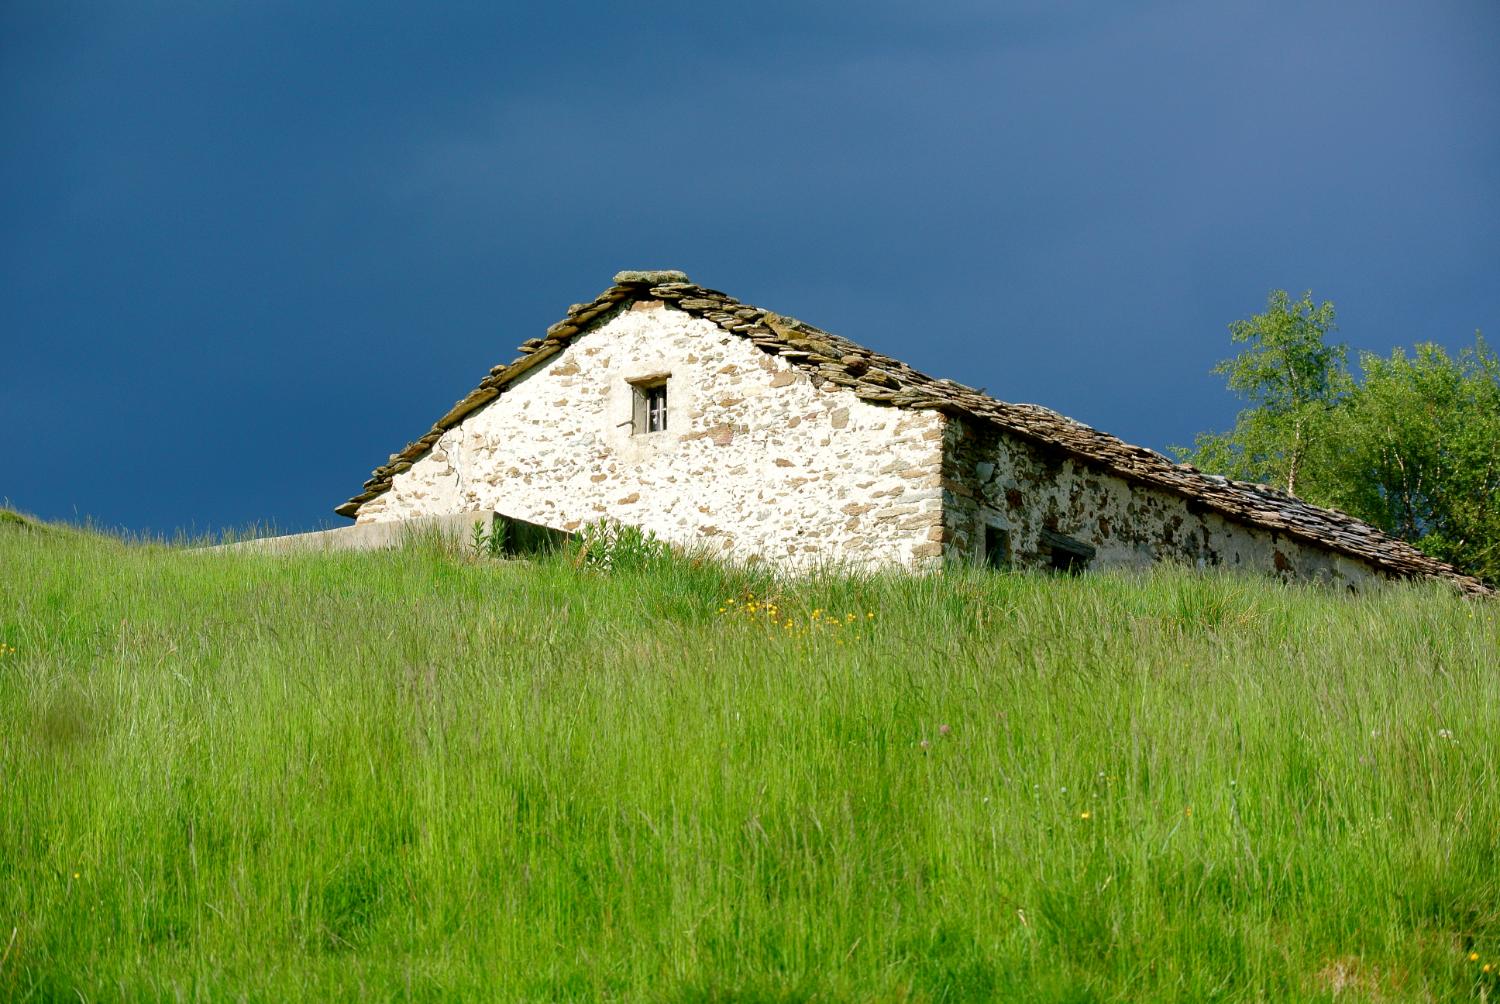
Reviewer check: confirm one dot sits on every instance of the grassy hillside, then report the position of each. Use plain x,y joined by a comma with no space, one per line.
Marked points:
420,776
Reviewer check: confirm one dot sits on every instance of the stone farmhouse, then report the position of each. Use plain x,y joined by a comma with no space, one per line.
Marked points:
678,409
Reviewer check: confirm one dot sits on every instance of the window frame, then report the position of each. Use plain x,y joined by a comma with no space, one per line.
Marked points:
650,405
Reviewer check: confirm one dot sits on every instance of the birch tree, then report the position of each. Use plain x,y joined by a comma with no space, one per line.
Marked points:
1292,380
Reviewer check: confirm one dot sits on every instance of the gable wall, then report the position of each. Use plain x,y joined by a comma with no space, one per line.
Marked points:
755,460
992,477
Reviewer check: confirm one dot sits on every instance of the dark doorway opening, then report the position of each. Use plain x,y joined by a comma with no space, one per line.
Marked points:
996,546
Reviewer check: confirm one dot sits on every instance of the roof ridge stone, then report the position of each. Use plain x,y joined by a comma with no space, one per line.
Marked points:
649,276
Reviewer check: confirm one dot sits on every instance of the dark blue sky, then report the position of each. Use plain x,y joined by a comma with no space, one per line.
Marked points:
249,249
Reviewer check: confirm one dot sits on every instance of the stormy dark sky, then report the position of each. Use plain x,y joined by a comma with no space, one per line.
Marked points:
249,249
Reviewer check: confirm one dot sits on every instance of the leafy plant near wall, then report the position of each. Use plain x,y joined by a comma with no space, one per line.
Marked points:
478,540
605,545
615,547
487,542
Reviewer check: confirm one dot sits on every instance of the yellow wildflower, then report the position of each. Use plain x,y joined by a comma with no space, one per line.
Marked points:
1473,956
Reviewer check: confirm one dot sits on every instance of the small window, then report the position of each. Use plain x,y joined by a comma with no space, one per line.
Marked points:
650,407
1067,562
1064,554
996,546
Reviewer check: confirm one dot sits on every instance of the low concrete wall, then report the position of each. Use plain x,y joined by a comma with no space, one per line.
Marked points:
366,536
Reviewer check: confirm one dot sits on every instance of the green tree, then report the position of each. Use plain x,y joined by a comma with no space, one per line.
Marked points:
1294,381
1416,451
1413,447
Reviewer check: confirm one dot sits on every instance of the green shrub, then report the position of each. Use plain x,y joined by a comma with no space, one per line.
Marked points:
611,546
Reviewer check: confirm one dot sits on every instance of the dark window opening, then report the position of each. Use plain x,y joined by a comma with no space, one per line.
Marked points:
1064,554
1067,562
656,408
996,546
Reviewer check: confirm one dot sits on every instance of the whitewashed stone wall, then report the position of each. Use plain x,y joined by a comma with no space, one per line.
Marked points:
755,462
990,477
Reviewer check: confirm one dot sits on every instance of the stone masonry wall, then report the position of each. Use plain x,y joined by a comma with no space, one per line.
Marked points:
755,461
1021,487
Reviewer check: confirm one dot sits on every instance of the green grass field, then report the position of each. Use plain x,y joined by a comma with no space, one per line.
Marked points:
419,775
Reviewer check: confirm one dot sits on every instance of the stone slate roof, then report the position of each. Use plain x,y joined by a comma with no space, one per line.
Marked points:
880,379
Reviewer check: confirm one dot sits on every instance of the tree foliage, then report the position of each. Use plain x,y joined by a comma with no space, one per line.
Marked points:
1416,451
1413,446
1293,380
